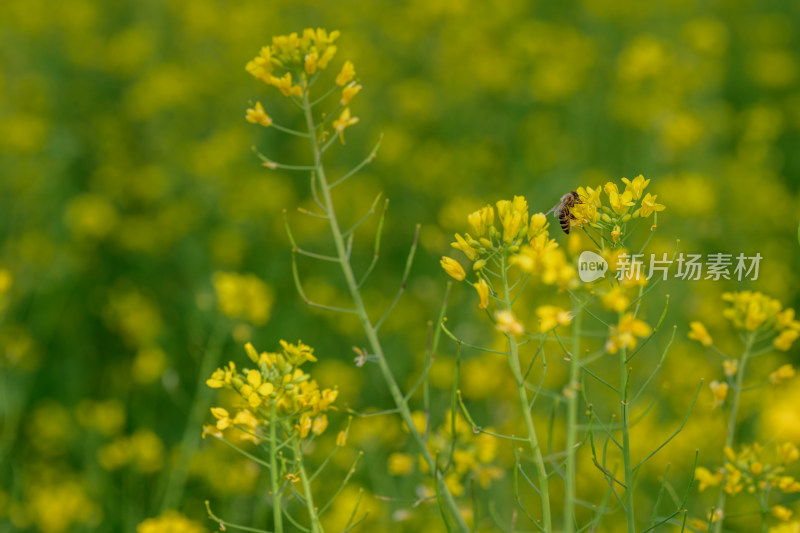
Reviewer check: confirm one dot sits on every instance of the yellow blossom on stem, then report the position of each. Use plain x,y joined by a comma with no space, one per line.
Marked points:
349,92
648,206
720,392
699,333
346,75
626,333
256,115
481,220
284,85
730,367
781,513
636,187
344,121
706,479
615,299
223,418
483,292
453,268
785,339
506,322
782,374
551,316
620,203
463,245
788,452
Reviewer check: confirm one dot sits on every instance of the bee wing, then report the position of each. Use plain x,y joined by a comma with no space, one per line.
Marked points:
553,209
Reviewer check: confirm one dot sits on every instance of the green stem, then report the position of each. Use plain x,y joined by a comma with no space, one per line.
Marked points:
731,436
367,325
533,441
277,511
316,527
626,440
572,419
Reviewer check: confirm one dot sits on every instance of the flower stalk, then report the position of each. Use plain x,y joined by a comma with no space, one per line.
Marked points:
360,309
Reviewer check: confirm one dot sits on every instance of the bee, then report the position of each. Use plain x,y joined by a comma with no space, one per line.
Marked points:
562,208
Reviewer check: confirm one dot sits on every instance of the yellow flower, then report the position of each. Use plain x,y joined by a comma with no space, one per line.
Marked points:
648,206
507,323
700,333
311,62
261,67
537,225
720,392
513,216
587,212
483,292
284,84
344,121
319,425
785,339
706,479
223,418
481,220
615,300
349,92
615,233
551,317
636,187
730,367
620,203
788,452
462,245
346,75
453,268
400,464
341,438
781,513
782,374
625,334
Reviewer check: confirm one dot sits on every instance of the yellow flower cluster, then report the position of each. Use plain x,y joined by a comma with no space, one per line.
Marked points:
753,470
626,333
243,297
619,209
277,381
518,238
170,521
290,64
753,311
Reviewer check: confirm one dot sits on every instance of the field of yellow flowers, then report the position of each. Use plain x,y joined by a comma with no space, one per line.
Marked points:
292,266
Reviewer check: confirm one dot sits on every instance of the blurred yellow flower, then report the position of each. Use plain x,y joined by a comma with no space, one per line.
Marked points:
781,513
720,392
626,333
347,73
170,522
400,464
256,115
636,187
699,333
706,479
551,316
344,121
507,323
243,296
349,92
782,374
483,292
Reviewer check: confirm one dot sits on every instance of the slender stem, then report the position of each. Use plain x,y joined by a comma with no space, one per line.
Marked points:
731,437
366,323
626,440
572,418
533,441
316,527
277,511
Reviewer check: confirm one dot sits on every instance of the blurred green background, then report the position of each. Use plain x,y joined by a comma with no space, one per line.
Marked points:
127,179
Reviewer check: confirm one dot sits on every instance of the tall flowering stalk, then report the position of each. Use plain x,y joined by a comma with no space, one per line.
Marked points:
764,326
281,405
504,258
293,64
